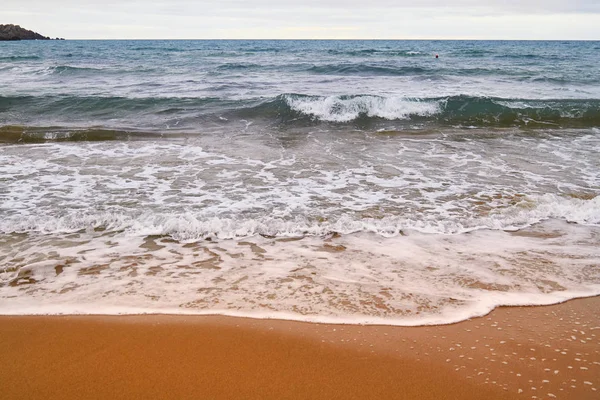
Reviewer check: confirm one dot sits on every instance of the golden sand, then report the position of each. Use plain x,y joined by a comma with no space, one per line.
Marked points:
513,353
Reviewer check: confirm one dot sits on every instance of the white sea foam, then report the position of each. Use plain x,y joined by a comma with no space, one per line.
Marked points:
325,185
406,280
190,226
344,109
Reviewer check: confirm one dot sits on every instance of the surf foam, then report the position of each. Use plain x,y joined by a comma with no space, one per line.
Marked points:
406,280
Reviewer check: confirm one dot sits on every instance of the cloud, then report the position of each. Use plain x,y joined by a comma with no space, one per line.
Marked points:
510,19
184,7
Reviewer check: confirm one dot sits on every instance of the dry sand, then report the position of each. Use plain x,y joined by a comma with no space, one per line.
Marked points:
513,353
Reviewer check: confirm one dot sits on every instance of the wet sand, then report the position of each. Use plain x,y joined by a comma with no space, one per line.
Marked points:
513,353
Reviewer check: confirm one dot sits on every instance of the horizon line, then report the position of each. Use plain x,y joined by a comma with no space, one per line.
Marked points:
343,39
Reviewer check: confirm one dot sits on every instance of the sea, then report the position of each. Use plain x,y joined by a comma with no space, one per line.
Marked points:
363,182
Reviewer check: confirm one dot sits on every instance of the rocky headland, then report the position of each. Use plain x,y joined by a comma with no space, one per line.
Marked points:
15,32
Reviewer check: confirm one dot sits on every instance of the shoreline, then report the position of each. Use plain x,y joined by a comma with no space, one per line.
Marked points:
291,318
427,279
514,352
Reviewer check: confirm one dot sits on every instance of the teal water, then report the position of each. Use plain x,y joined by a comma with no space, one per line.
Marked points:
184,85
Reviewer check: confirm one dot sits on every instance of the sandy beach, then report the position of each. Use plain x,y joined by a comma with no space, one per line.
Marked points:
514,352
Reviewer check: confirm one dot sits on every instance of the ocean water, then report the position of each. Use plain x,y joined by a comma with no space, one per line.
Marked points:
328,181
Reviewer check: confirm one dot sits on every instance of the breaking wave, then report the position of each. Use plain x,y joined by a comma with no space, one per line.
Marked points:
302,110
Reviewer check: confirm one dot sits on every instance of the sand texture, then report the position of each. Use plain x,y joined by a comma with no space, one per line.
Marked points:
513,353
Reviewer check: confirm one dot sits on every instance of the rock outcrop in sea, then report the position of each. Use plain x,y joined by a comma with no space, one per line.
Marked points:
15,32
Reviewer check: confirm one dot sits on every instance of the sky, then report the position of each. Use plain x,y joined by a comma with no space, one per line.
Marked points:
307,19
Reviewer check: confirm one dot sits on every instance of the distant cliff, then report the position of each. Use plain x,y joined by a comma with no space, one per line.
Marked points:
15,32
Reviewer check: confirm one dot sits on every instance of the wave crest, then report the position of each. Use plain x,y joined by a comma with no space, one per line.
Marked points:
349,108
292,109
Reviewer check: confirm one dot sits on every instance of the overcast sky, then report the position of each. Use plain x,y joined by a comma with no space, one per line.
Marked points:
307,19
